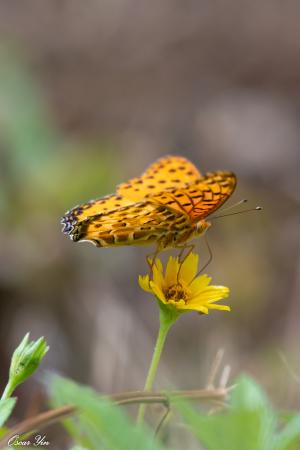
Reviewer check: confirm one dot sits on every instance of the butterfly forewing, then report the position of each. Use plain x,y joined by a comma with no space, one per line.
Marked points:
201,198
167,173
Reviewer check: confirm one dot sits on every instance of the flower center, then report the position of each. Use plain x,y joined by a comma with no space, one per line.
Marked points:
176,293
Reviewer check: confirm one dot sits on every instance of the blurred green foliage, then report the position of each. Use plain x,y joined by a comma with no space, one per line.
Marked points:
6,407
99,424
36,160
249,422
25,360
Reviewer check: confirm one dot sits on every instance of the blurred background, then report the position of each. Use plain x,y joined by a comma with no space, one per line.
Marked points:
93,92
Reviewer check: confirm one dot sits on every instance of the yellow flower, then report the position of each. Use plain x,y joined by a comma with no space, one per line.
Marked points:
186,292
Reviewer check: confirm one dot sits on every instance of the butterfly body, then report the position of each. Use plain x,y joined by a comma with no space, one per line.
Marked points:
168,229
167,205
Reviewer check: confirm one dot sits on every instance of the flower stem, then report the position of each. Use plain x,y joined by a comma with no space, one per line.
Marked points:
165,323
8,390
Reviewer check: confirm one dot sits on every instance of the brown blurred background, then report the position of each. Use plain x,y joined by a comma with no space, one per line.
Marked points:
90,94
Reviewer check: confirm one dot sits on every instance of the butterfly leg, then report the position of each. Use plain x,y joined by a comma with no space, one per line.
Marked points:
210,257
151,261
152,257
182,247
181,261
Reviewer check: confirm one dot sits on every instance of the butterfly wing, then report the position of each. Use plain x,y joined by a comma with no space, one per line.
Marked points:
201,198
170,172
91,208
138,224
159,216
166,173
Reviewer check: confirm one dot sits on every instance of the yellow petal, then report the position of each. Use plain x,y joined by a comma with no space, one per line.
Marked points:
179,304
206,307
158,277
189,268
158,292
144,283
220,292
220,307
196,307
209,295
158,264
199,284
171,271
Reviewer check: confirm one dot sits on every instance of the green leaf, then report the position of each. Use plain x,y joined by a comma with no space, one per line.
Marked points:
249,423
248,395
14,446
99,421
3,431
78,447
224,432
289,436
6,407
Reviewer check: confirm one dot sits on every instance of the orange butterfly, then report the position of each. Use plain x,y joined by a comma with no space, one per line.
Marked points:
167,205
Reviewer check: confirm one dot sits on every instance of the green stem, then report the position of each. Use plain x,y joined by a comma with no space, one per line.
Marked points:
165,323
9,388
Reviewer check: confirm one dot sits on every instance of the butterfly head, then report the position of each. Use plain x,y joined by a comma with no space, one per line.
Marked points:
202,226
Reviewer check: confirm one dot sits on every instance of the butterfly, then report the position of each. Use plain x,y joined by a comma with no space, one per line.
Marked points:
167,205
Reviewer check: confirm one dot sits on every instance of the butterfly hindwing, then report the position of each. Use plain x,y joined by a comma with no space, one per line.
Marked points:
138,224
91,208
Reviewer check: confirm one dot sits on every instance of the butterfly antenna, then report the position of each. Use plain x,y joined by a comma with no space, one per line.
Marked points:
240,202
257,208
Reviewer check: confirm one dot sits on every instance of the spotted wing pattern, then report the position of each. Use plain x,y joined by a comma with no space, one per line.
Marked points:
141,223
161,206
166,173
201,198
170,172
81,212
